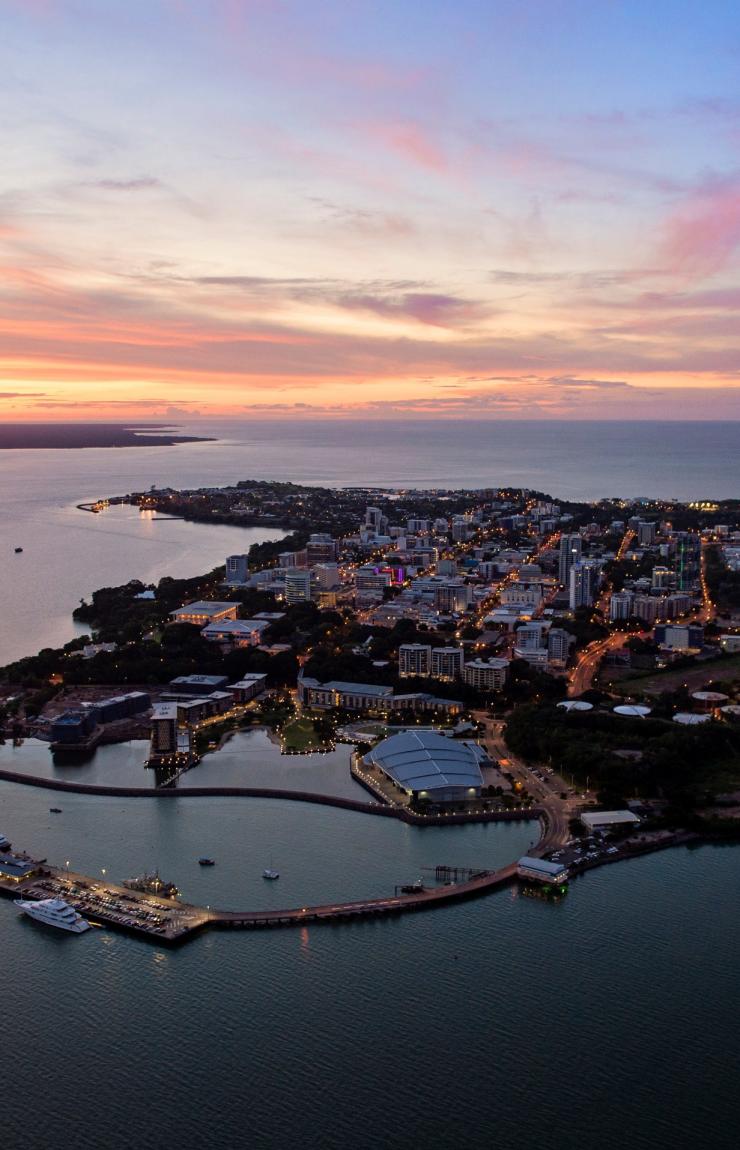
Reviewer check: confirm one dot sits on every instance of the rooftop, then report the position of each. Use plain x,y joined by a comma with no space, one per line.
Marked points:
204,607
426,761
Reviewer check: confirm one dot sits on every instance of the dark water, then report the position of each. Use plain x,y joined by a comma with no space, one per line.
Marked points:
247,759
609,1020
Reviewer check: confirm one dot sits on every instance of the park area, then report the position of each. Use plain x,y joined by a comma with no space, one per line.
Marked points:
301,736
694,678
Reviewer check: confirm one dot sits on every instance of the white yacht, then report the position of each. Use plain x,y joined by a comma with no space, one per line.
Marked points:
54,912
268,872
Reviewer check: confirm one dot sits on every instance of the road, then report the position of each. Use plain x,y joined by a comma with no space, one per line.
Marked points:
542,783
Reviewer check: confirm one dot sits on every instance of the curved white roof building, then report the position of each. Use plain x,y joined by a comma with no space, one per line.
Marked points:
709,696
428,765
690,718
575,705
632,711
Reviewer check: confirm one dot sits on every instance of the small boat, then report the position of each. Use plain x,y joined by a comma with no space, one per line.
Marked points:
55,810
268,872
206,862
18,550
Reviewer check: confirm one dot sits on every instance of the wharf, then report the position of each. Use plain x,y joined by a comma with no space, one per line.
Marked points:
110,904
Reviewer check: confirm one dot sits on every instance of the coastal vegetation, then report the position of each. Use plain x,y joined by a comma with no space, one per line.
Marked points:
623,758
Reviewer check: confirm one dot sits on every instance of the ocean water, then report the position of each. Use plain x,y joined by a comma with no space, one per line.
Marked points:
610,1017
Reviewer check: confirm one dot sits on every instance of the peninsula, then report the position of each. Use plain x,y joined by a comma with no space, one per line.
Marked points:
15,436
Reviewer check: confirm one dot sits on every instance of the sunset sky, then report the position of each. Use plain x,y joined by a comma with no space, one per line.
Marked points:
471,208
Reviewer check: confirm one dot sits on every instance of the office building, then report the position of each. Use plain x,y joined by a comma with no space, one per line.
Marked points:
677,637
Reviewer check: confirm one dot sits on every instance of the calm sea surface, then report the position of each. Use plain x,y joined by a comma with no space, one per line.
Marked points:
609,1020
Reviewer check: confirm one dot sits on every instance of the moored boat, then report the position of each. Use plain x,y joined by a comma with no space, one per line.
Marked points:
54,912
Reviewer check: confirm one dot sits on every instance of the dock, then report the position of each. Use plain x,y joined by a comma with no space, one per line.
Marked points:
112,905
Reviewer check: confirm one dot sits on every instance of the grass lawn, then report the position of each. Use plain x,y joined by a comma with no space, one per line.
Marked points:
300,735
652,683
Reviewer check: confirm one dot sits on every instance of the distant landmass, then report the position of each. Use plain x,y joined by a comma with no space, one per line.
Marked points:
76,435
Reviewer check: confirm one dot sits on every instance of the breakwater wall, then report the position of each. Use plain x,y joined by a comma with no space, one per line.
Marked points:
268,793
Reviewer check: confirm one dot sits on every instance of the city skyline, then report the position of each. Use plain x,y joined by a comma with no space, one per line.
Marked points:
254,210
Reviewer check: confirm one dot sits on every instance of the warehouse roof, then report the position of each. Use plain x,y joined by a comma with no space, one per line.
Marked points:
608,818
426,761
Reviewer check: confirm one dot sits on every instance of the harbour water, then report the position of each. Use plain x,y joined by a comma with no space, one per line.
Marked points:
246,759
611,1017
505,1021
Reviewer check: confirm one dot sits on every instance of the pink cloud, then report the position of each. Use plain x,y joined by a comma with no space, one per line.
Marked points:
702,236
411,141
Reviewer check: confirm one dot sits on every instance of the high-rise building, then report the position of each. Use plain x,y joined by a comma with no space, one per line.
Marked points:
369,578
237,569
326,576
452,595
297,585
688,560
447,663
531,636
571,549
583,578
646,607
414,659
375,520
292,558
620,606
646,533
486,675
321,548
559,643
662,577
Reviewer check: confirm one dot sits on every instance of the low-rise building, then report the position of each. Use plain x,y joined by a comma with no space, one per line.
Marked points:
203,612
236,632
248,687
541,870
198,684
